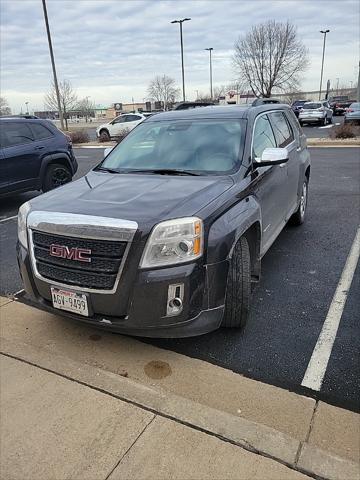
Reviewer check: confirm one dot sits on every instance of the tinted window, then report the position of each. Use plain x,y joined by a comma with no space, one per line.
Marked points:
263,136
120,119
312,106
15,133
40,131
132,118
204,146
282,130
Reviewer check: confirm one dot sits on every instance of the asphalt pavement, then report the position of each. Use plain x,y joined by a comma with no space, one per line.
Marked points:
300,274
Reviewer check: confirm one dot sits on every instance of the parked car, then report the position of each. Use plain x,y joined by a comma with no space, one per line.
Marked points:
34,155
316,112
165,236
297,106
340,103
352,114
121,124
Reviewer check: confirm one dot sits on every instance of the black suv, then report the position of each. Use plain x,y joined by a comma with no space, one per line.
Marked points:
34,155
165,236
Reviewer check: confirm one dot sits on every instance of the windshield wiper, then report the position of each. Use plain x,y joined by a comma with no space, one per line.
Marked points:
106,169
165,171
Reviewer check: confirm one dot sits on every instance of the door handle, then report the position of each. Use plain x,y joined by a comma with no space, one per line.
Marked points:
40,147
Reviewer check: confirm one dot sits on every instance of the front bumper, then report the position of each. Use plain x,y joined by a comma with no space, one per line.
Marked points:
142,311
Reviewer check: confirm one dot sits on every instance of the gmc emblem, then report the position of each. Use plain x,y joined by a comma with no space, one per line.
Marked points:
73,253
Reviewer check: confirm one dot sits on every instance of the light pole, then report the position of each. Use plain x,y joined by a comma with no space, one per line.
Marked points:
322,63
27,108
337,86
211,89
180,22
53,65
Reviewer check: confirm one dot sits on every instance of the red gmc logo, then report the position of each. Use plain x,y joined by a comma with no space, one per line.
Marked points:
73,253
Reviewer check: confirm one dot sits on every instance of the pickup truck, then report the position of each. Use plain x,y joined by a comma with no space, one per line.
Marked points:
340,103
164,238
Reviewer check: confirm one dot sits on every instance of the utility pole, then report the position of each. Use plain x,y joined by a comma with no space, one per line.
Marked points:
180,22
211,86
337,86
322,63
53,64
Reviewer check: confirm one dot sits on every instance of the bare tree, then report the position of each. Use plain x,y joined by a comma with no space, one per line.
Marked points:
68,99
270,56
4,107
85,107
163,89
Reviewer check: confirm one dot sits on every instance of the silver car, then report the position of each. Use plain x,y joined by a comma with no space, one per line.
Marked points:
352,114
316,112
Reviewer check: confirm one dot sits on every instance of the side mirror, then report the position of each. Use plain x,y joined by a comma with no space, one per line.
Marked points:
107,151
273,156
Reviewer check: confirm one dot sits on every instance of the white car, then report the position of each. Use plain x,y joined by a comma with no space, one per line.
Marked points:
316,112
120,125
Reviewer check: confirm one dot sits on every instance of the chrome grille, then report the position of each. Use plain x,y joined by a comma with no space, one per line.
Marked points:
100,273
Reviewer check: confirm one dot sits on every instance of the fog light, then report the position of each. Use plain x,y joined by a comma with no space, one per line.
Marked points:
175,299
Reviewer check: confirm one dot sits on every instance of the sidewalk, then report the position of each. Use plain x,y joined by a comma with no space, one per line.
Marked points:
77,403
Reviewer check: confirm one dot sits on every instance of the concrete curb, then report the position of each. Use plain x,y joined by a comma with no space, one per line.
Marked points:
327,142
247,434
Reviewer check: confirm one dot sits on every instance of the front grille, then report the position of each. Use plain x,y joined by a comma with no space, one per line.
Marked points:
106,257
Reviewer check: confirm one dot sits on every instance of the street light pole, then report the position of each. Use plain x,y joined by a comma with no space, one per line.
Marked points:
180,22
53,64
211,86
322,63
27,108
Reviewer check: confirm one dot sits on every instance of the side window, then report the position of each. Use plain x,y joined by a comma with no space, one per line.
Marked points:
16,133
282,129
132,118
40,131
120,119
263,136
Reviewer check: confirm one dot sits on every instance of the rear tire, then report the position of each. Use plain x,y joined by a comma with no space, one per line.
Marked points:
298,217
55,176
238,289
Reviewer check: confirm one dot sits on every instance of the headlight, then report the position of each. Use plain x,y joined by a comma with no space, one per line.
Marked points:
22,216
173,242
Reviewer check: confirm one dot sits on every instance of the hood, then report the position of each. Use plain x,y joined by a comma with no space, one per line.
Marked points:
144,198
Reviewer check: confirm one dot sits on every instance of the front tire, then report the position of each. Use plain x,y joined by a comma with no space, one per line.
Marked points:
55,176
238,289
298,217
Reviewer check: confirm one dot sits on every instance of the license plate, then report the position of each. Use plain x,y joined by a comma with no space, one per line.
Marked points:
70,301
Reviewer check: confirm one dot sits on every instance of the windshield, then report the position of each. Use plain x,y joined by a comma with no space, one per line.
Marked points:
355,106
299,103
201,146
312,106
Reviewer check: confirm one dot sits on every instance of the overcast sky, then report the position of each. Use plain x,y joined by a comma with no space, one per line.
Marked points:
111,49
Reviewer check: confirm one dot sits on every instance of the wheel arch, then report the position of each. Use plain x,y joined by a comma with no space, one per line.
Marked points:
57,158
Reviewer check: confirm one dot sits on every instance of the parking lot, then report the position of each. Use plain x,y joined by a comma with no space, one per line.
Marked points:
299,278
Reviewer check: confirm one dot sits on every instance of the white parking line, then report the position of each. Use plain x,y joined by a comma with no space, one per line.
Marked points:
327,126
317,366
8,218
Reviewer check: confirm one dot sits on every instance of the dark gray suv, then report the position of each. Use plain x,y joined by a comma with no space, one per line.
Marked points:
34,155
164,238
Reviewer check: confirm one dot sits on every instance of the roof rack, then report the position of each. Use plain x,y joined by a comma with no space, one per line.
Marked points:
264,101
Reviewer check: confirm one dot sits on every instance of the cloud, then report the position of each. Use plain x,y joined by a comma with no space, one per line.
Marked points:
111,49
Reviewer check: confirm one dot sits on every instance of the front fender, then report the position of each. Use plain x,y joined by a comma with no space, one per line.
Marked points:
226,230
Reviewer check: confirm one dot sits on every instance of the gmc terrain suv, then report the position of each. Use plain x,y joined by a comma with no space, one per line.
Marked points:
34,155
165,236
